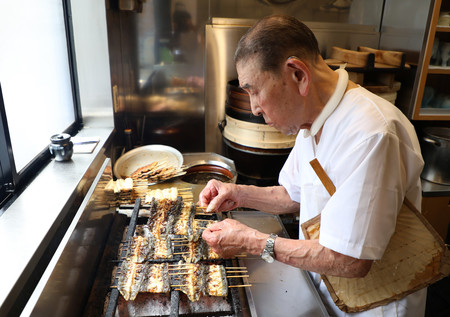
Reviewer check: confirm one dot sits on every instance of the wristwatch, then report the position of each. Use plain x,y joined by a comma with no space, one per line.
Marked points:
267,254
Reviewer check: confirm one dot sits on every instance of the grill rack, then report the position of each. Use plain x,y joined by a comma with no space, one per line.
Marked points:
233,297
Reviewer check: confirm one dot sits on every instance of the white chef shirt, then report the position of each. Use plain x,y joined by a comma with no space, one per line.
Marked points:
370,151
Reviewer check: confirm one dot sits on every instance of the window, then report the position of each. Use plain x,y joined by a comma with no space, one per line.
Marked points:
37,83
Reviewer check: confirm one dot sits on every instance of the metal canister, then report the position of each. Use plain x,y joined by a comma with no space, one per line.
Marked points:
436,154
61,147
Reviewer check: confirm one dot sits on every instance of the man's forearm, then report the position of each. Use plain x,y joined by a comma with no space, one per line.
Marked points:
310,255
274,200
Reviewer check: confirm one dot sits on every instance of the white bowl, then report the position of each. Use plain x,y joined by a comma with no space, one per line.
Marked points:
144,155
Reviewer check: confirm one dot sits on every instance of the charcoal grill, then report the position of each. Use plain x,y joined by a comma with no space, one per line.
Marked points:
78,280
174,303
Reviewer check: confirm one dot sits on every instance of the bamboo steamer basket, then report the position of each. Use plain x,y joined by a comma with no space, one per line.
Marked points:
256,135
415,257
258,150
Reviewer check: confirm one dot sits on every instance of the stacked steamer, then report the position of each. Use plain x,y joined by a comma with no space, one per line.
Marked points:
258,150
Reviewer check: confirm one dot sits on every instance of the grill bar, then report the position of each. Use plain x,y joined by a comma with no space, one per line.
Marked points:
113,298
174,303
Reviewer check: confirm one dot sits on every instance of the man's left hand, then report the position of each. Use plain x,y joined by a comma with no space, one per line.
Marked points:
230,237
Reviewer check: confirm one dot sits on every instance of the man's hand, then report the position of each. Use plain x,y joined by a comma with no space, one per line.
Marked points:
230,237
218,196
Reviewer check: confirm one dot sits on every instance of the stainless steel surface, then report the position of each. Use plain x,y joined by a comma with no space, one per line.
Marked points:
215,160
28,227
430,189
221,41
222,36
367,12
66,282
404,29
190,158
277,289
158,73
435,144
151,57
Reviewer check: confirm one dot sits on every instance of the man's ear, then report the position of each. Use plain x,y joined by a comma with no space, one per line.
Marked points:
300,73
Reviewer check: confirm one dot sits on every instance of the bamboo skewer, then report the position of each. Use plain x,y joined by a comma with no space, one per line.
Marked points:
245,285
232,276
180,264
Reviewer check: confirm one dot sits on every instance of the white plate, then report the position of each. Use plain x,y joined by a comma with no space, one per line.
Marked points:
144,155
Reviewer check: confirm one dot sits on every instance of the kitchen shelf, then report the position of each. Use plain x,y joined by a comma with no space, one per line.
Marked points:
443,29
433,78
435,113
438,70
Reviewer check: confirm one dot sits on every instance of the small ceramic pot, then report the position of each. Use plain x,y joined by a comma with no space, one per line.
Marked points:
61,147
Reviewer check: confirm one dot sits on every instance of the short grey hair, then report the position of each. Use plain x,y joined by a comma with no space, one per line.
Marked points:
275,38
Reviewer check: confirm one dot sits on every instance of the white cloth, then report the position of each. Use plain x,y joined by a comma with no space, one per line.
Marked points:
370,151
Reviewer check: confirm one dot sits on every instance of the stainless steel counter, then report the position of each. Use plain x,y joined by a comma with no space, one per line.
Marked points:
277,289
29,226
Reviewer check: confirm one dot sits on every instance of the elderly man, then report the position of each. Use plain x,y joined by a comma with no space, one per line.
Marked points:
365,144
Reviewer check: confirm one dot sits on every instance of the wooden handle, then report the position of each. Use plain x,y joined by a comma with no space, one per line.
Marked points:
326,181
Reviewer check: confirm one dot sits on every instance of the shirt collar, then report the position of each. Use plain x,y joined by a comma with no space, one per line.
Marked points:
331,105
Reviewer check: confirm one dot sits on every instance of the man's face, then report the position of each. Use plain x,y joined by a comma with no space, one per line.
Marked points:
271,96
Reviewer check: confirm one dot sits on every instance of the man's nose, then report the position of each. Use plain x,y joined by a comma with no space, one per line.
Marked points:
256,110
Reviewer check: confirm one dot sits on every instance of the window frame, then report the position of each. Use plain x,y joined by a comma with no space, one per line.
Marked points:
13,182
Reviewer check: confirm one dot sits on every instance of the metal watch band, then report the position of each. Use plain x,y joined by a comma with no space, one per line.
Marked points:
270,243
